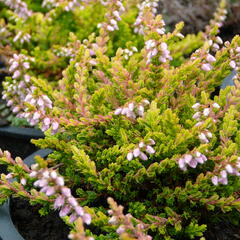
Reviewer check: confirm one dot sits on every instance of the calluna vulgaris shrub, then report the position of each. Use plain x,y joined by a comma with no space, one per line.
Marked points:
39,39
138,135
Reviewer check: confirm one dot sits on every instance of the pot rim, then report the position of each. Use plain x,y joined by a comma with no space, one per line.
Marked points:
7,229
21,133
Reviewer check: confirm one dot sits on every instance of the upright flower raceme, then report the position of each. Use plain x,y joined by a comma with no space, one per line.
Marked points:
125,224
113,16
153,49
65,52
229,169
142,150
50,3
235,58
132,110
19,7
21,91
201,114
138,25
71,5
127,53
215,24
22,37
207,59
16,91
52,184
191,160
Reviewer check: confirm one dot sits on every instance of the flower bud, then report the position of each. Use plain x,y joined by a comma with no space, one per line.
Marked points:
150,150
130,156
66,192
143,156
87,218
233,64
215,180
136,152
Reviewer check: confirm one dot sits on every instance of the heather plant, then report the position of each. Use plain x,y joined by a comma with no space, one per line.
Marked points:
142,149
50,36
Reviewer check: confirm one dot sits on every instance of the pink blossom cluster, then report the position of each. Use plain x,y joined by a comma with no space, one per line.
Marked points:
127,53
15,92
139,151
215,43
50,3
113,16
191,160
206,65
201,115
19,63
71,5
52,184
138,25
219,17
125,223
223,177
235,62
22,37
207,60
42,104
19,7
153,49
21,91
132,110
65,52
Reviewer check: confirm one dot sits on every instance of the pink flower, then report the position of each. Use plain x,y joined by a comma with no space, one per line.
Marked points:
143,156
60,181
87,218
16,74
215,180
136,152
229,168
55,125
181,163
72,201
66,192
188,158
120,230
59,202
233,64
193,163
210,58
73,217
130,156
150,150
65,211
79,210
50,191
110,28
206,67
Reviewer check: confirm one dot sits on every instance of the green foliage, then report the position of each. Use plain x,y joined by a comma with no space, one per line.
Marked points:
93,141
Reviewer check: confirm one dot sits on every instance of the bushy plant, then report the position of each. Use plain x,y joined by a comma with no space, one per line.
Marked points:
47,34
140,128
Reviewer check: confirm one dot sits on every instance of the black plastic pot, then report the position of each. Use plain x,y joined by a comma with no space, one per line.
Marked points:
228,81
7,229
16,140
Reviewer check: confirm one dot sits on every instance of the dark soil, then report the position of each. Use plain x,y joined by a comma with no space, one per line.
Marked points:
223,231
17,147
34,227
196,14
